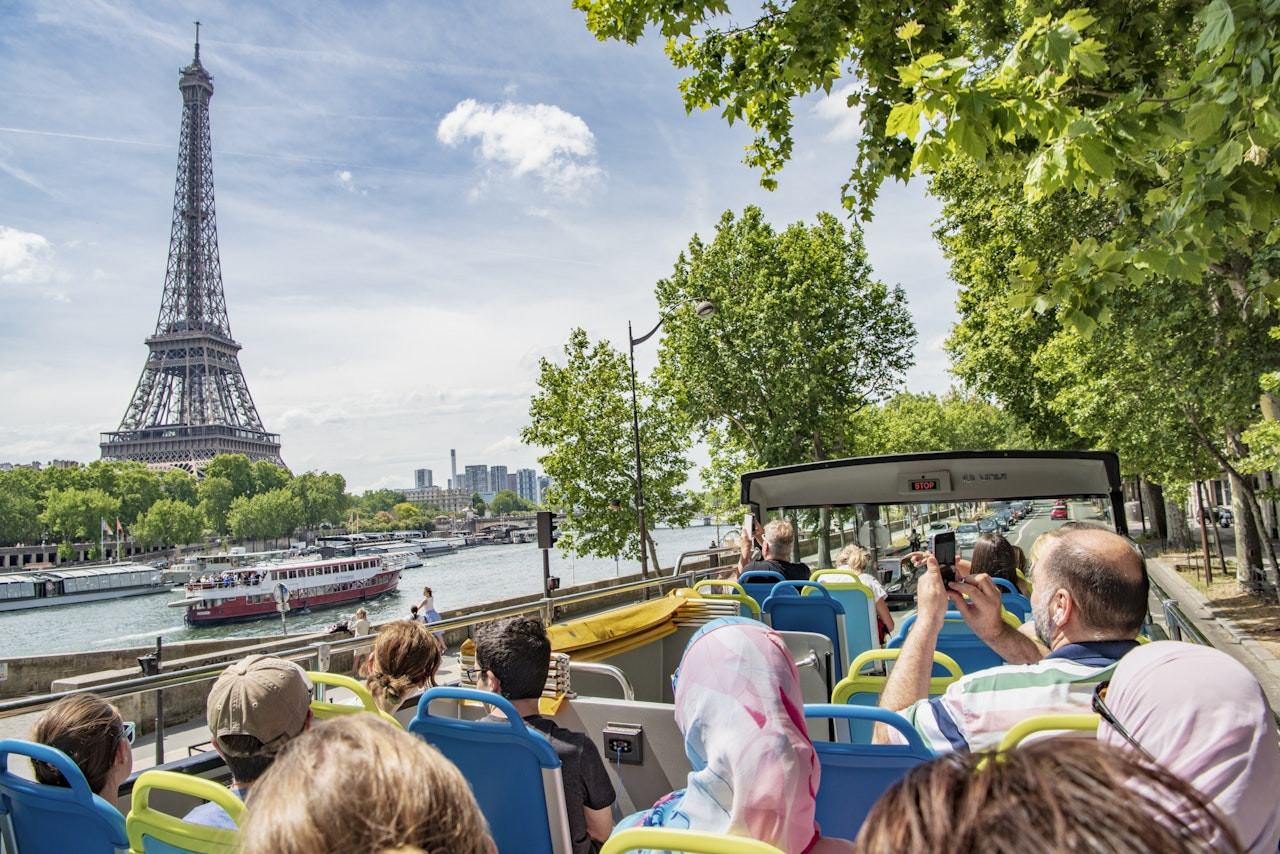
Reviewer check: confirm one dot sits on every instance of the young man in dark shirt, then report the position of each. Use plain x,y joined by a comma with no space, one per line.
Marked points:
512,657
777,541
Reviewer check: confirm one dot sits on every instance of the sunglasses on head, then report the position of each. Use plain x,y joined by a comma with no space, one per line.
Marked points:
1101,709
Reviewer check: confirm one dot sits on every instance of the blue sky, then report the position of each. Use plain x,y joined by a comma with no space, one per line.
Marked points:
415,201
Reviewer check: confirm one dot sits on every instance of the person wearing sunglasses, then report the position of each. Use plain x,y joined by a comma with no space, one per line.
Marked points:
90,731
1202,715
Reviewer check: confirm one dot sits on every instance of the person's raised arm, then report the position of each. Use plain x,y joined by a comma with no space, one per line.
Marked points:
908,682
981,611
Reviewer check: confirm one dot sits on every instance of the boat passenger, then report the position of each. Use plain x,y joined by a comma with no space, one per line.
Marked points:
853,559
256,707
405,659
1055,795
358,784
1202,715
1088,604
90,731
755,771
777,541
512,659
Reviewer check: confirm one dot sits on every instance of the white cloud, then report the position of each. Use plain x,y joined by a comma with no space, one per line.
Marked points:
846,121
348,182
523,139
25,258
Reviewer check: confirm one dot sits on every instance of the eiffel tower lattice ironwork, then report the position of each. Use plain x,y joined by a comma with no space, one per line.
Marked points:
192,402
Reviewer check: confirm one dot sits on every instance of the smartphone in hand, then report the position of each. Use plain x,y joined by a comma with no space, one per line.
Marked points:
748,526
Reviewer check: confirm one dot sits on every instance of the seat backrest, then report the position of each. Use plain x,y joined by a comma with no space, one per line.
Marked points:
40,819
811,651
861,688
957,640
513,770
819,613
758,584
154,832
689,841
747,607
854,776
861,631
1014,602
1049,725
323,709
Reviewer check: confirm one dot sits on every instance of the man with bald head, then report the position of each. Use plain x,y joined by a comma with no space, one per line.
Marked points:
1089,601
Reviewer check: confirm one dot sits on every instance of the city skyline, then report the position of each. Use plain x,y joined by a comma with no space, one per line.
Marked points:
415,206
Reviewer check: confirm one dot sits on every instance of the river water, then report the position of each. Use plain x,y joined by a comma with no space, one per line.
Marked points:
466,577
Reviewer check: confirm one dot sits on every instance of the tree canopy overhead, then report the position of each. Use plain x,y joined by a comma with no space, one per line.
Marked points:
1169,109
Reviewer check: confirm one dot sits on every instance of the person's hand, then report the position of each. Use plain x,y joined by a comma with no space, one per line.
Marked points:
917,558
931,598
982,609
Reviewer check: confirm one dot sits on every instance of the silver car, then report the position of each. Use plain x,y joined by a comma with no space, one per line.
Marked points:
966,534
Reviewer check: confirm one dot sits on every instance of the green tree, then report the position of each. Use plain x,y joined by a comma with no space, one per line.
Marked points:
1165,108
270,515
405,512
477,503
216,495
268,476
375,501
76,515
507,502
323,497
169,521
581,415
235,469
180,486
804,338
912,423
19,507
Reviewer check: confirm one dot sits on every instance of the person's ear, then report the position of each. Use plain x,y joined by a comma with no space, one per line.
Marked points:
1064,608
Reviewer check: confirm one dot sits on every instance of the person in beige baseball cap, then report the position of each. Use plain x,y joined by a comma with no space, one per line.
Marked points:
255,707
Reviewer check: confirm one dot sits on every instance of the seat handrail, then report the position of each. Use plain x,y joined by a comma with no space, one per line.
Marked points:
513,726
1047,723
915,742
628,691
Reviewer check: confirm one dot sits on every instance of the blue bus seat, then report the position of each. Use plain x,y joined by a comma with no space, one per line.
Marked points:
854,776
819,613
513,770
758,584
1014,602
860,688
957,640
154,832
861,629
40,819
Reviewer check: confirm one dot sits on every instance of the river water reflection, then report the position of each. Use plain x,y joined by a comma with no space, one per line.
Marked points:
466,577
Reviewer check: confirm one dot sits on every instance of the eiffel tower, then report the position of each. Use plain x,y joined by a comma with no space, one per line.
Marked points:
192,402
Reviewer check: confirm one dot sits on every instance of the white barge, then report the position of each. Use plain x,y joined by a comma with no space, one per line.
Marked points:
48,587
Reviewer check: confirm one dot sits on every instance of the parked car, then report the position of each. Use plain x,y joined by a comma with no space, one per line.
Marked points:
966,534
1059,512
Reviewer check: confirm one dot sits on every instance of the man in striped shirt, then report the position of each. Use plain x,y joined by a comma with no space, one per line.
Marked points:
1089,601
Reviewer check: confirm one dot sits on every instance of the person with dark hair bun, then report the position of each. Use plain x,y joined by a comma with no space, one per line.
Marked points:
1055,795
993,555
89,730
404,660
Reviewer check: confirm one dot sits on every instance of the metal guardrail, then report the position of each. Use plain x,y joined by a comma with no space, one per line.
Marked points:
628,692
1176,621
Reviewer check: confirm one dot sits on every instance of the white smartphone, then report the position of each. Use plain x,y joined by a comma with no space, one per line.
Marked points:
748,525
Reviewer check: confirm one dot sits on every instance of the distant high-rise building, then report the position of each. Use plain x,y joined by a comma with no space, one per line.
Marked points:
527,485
511,482
544,482
453,469
422,478
476,479
497,478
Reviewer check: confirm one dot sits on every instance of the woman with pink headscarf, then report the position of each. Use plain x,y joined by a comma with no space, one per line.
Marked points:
1202,715
755,772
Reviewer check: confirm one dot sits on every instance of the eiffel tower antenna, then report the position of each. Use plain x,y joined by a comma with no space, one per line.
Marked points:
192,402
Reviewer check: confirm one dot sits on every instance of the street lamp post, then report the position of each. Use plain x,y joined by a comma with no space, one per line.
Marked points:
704,308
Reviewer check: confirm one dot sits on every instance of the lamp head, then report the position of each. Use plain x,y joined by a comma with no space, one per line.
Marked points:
705,308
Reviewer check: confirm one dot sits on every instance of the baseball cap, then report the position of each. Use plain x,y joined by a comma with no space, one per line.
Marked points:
262,696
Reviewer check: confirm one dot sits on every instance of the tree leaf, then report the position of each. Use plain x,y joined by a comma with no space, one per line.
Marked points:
1219,23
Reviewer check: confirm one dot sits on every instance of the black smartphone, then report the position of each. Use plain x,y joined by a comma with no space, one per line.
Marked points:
944,547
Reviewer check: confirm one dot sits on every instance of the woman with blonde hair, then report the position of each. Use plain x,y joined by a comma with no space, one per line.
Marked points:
356,783
404,660
90,731
853,559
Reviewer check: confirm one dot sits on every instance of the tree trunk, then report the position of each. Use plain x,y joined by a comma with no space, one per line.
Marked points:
1179,532
824,537
1153,504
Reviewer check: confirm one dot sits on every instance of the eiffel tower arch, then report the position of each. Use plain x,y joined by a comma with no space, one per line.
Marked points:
192,402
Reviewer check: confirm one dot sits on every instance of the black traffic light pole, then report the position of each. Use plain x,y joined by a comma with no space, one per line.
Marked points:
546,539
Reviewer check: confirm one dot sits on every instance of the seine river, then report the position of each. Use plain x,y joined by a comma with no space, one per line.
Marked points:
465,577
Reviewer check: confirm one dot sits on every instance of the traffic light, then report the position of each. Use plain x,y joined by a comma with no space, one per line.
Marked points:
547,532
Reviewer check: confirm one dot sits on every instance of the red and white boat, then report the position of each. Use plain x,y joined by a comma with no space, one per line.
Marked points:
253,592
